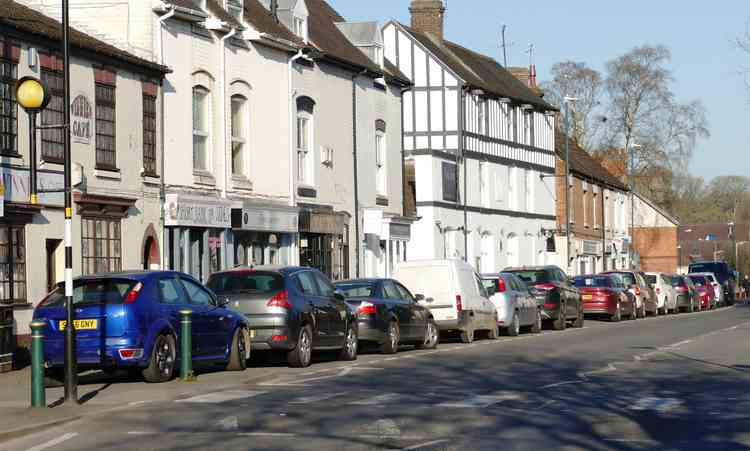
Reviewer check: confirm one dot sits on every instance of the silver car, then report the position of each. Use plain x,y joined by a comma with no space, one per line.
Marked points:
666,295
516,306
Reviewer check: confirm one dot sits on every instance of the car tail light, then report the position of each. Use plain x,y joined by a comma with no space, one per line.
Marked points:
658,290
133,294
545,286
130,354
366,308
681,289
280,300
637,290
459,306
550,306
501,285
279,338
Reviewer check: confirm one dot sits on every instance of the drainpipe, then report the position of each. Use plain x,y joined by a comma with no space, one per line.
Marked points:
162,188
403,157
604,228
462,152
293,253
223,110
356,175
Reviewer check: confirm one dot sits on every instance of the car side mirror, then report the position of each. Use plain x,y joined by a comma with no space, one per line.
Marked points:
339,295
223,301
419,297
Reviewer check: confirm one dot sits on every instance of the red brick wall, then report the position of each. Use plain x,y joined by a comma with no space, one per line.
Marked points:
427,16
657,247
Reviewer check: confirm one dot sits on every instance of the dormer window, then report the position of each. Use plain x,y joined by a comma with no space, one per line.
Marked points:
234,7
300,28
379,55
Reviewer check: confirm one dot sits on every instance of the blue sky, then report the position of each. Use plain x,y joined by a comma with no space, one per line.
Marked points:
706,62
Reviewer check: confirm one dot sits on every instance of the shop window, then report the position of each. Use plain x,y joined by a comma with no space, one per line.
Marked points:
201,133
450,182
149,129
239,134
101,245
12,265
53,139
106,140
8,107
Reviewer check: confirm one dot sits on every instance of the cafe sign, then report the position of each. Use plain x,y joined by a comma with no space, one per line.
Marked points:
81,120
197,212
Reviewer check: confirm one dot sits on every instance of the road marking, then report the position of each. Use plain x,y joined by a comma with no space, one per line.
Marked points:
677,345
53,442
423,445
376,400
223,396
391,359
482,401
142,433
228,424
267,434
139,403
318,398
559,384
301,382
661,405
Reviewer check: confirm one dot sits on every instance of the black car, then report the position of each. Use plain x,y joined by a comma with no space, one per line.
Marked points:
389,315
290,309
723,273
558,298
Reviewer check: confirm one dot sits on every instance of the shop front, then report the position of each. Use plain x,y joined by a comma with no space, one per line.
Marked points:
386,238
324,241
264,234
198,234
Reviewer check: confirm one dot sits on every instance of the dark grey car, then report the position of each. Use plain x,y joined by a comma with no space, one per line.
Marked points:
389,315
293,310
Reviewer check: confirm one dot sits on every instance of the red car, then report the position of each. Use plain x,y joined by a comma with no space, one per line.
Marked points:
705,290
605,294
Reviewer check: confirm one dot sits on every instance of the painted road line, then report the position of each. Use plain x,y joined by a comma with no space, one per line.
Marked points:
376,400
267,434
423,445
223,396
142,432
482,401
660,405
560,384
230,423
53,442
314,399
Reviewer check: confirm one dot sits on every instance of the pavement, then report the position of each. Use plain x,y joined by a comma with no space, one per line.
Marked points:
675,382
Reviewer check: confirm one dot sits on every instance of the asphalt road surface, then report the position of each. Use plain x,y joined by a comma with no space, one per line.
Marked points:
680,382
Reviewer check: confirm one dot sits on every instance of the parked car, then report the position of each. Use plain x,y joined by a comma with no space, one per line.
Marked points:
724,274
389,315
688,298
666,296
516,307
130,320
560,300
704,288
719,297
639,287
293,310
453,293
607,295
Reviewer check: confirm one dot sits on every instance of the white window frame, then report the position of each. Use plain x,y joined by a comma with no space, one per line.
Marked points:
300,27
381,163
242,139
305,156
594,200
204,135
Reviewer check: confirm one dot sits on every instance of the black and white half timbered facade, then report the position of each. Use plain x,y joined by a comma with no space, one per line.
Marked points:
479,152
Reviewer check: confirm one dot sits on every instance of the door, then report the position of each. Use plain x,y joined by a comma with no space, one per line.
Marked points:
417,314
53,247
214,323
310,290
336,309
400,308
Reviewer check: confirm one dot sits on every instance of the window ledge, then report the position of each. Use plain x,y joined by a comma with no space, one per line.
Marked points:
151,179
307,191
11,155
381,200
108,174
241,182
203,178
21,305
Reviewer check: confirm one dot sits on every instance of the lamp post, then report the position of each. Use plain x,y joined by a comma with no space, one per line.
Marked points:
631,183
568,101
679,258
33,97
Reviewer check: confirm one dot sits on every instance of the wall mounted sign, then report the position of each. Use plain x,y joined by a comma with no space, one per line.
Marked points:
197,212
17,186
81,120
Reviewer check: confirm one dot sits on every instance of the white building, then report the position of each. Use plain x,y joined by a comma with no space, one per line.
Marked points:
477,141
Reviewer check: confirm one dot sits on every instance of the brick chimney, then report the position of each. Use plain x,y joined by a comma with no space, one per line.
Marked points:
428,16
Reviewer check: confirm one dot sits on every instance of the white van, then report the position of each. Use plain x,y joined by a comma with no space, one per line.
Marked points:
453,292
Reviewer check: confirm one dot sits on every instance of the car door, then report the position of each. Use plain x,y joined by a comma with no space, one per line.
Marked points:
217,324
335,308
417,313
172,299
486,306
571,303
400,309
320,311
524,301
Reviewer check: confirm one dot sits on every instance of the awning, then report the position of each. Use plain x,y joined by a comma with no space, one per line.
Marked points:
99,205
322,221
265,218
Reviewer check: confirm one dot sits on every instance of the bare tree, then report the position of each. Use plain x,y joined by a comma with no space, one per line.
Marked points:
576,79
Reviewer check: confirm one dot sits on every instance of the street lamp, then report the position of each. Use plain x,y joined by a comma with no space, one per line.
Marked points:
631,182
33,97
568,101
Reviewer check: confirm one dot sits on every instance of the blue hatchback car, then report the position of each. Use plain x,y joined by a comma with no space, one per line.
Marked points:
131,320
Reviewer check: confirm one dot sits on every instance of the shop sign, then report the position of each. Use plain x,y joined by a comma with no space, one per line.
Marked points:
197,212
81,120
17,186
590,247
400,231
269,219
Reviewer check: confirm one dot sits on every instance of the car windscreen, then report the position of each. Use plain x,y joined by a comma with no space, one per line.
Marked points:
356,289
719,268
99,291
627,278
651,279
699,281
584,282
256,282
533,277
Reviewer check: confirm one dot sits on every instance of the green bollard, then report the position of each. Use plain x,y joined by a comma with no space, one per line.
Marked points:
186,348
38,394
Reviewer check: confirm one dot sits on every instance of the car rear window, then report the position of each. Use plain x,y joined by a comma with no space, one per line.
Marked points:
627,278
678,281
583,282
246,282
356,290
533,277
714,267
698,280
100,291
651,279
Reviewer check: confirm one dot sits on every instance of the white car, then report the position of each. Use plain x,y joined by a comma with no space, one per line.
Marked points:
666,295
516,306
454,293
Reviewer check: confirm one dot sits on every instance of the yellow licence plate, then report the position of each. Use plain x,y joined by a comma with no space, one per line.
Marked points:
252,333
587,297
82,324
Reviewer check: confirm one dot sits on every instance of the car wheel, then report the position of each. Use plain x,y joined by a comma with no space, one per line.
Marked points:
578,322
561,321
691,309
238,353
467,336
642,312
536,328
391,340
351,344
163,356
301,355
617,316
514,328
431,336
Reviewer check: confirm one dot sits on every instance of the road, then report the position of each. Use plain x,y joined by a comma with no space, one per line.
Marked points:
669,383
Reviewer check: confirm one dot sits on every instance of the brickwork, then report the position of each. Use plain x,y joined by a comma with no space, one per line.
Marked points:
657,247
428,16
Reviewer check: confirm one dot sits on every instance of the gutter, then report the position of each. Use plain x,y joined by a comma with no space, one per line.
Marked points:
292,194
462,151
